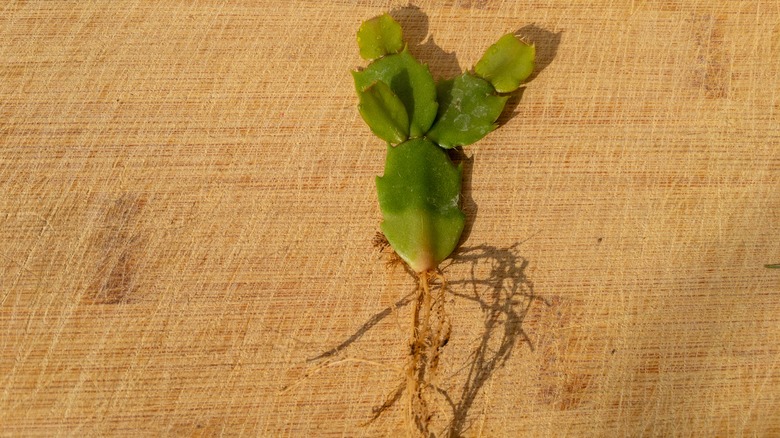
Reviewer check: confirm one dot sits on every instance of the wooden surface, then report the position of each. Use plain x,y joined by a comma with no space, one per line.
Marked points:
187,206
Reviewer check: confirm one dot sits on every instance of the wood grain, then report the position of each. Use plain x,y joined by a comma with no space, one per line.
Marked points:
187,206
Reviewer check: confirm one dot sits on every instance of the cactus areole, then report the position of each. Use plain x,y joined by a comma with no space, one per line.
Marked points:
419,192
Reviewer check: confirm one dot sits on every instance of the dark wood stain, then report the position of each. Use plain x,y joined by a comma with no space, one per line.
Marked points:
119,243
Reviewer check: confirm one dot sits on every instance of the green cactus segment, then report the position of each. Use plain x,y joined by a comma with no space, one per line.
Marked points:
468,109
418,197
410,81
384,113
378,37
507,63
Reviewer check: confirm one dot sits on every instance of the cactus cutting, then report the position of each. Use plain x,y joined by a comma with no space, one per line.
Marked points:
420,190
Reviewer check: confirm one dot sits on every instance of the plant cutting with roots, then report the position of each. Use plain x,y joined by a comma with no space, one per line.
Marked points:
419,193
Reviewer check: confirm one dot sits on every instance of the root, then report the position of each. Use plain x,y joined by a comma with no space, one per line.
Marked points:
430,333
382,245
380,242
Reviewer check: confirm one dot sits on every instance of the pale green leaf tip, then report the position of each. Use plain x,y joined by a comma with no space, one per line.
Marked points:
507,63
379,36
